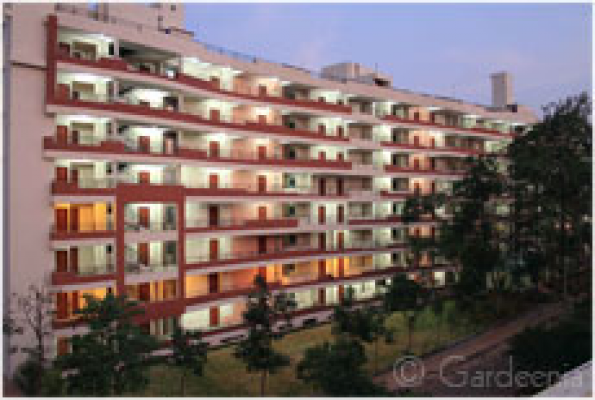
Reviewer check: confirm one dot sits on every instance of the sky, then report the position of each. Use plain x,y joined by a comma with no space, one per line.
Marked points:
442,49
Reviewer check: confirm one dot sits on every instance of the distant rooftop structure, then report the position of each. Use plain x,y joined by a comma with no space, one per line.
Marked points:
357,72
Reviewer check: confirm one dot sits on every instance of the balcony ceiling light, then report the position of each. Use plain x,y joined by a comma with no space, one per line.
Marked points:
85,77
87,118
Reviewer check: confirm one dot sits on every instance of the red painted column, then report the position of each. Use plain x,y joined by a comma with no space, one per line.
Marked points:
341,267
182,247
322,296
120,246
321,269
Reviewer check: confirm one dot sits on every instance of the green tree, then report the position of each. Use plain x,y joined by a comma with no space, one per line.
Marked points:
408,297
422,208
367,324
114,355
473,236
189,353
336,369
267,318
550,170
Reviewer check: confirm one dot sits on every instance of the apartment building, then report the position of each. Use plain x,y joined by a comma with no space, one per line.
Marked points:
140,160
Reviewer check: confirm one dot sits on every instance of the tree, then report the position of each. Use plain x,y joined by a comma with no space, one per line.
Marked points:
31,314
406,296
114,355
550,171
474,235
267,317
189,353
420,208
367,324
438,304
336,369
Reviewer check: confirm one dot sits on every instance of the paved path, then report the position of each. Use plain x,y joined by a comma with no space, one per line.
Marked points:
484,343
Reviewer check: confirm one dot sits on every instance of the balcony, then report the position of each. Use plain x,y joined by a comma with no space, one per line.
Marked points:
257,190
119,146
85,273
207,260
247,157
120,65
85,186
418,122
160,226
301,281
359,219
204,225
169,112
433,149
285,131
427,171
394,194
140,268
368,169
88,231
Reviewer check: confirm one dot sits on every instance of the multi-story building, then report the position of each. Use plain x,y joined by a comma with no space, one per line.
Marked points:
139,160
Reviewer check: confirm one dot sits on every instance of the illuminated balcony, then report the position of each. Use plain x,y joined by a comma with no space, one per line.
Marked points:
474,129
83,221
224,224
83,264
214,257
213,86
425,171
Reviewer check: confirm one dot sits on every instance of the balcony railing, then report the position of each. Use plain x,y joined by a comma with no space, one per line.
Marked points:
242,223
477,129
90,269
412,146
120,144
87,227
424,171
150,227
356,218
292,251
139,268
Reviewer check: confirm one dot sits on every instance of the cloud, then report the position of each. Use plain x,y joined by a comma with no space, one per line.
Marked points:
314,54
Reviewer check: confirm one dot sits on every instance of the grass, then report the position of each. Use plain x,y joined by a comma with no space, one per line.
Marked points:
225,375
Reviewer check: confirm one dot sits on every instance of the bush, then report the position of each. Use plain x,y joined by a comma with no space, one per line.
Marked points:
28,377
52,384
556,349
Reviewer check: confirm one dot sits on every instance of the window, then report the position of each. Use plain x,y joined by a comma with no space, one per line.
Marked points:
173,7
291,154
290,181
288,269
290,210
290,240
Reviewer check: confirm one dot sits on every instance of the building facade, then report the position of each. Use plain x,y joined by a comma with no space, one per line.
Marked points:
140,160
